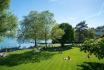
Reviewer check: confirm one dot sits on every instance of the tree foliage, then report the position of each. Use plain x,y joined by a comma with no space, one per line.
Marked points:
67,34
31,26
36,25
56,32
90,33
11,25
8,21
47,18
8,25
4,4
83,32
95,47
80,31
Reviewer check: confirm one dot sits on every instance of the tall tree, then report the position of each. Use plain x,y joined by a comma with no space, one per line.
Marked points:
31,26
68,36
80,31
4,5
64,33
47,18
8,21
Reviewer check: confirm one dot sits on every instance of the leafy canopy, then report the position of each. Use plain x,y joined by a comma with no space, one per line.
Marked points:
95,47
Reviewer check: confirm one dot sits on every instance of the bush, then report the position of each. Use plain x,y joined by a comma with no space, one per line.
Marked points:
95,46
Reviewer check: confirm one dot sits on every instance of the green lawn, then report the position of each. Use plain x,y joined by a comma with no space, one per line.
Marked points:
50,60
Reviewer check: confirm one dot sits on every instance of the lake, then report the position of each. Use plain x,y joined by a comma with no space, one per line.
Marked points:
12,42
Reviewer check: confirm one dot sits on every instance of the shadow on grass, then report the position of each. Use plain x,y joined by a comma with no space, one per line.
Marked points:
27,57
92,66
56,49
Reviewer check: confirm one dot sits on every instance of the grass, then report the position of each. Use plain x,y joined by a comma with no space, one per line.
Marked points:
50,60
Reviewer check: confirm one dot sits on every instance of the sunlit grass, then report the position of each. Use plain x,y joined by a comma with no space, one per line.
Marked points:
49,60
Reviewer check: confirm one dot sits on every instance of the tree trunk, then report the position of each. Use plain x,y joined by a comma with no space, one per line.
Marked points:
35,42
62,44
45,40
35,39
45,37
79,37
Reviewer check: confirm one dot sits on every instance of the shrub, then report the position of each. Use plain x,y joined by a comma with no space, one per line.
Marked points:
95,46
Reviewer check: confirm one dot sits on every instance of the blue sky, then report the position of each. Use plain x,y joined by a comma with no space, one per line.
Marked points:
71,11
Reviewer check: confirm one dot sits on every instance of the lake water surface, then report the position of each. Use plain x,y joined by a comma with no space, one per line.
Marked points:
12,42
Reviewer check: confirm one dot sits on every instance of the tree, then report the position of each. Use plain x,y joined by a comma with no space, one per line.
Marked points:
37,25
4,5
31,26
47,18
8,27
67,34
11,25
90,33
81,31
94,46
8,21
56,33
